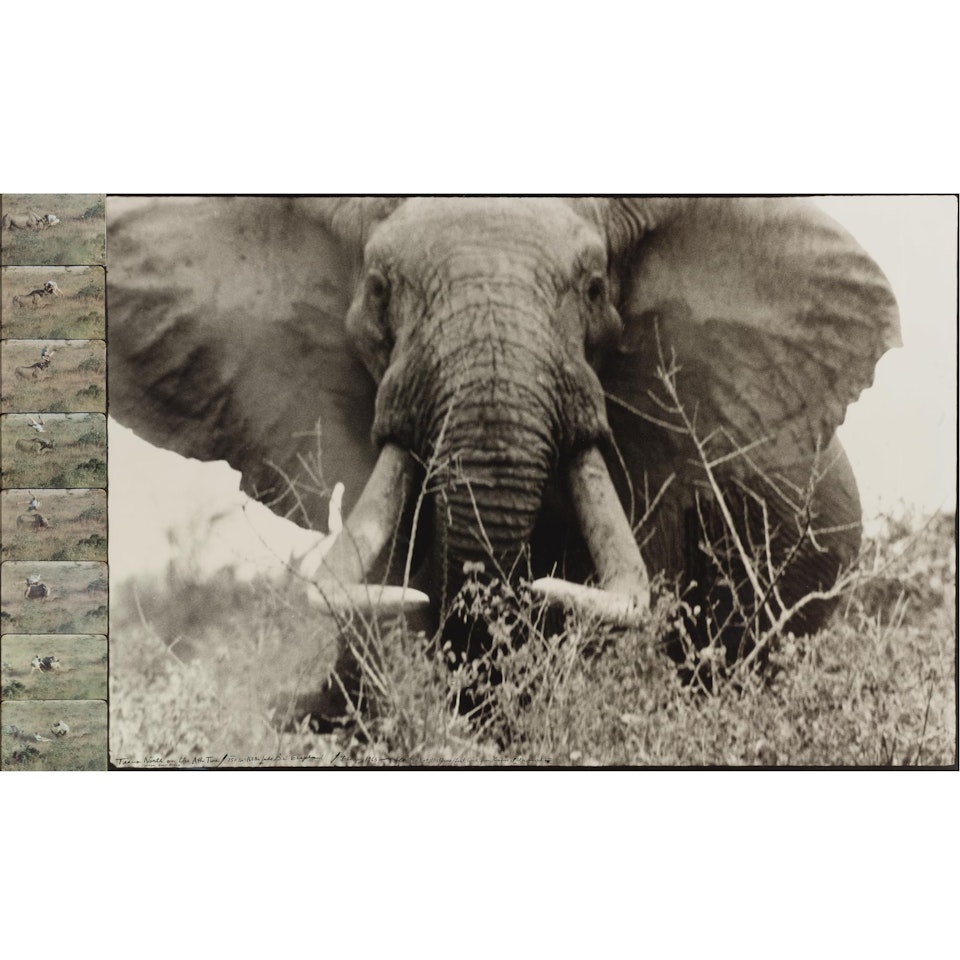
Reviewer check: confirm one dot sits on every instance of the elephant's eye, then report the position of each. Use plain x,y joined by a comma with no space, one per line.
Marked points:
596,289
378,289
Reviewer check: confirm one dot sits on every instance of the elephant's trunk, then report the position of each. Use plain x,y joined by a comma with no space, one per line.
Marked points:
479,392
493,404
487,503
490,511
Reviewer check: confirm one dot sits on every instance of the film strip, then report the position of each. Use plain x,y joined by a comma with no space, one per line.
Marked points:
55,583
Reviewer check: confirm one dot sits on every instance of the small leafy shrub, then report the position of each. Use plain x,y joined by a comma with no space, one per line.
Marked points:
94,211
92,438
92,392
94,540
24,755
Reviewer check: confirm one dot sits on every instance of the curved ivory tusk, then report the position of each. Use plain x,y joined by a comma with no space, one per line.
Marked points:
344,598
373,521
613,608
606,530
339,587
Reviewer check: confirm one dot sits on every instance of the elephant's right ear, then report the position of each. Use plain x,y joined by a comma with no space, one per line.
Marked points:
227,341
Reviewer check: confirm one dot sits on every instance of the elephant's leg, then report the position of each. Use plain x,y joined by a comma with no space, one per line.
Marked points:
831,545
326,697
328,694
790,554
328,706
347,685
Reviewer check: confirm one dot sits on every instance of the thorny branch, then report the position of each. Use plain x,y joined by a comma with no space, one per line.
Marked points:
764,575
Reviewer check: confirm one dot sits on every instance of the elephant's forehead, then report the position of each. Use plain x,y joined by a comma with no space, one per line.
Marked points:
425,226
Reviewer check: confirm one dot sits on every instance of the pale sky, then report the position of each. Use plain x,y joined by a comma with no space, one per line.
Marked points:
901,436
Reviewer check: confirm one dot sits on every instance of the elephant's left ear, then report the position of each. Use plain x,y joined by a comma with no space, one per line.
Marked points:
771,315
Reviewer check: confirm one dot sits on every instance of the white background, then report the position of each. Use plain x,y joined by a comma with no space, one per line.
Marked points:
495,98
902,435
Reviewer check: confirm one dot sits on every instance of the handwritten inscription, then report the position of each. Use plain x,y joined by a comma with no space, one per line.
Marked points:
335,759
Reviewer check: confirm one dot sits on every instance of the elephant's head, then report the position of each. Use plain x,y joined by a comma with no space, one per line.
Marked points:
511,358
482,321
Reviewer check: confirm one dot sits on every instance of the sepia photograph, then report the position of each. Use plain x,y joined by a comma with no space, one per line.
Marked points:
505,481
529,425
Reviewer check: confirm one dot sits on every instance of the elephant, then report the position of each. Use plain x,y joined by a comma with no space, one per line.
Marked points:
585,390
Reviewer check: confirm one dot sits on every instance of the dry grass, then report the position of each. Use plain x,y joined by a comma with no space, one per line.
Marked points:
78,315
78,240
78,458
204,673
74,382
83,748
196,669
77,602
77,525
82,674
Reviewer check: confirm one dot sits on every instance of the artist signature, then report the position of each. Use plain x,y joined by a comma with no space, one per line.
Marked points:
336,758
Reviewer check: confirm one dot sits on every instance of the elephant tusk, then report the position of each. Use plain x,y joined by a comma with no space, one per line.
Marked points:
612,608
373,521
606,530
340,587
343,599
